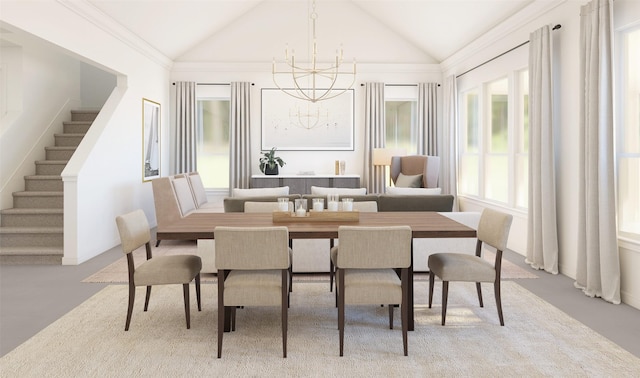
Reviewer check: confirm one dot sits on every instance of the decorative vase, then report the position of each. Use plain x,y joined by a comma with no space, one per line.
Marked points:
271,171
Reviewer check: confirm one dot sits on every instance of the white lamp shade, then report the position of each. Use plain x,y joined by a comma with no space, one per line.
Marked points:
382,156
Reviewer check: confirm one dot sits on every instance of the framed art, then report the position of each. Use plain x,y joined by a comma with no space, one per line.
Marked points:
289,123
150,139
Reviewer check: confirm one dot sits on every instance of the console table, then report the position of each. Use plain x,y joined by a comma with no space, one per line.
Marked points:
301,184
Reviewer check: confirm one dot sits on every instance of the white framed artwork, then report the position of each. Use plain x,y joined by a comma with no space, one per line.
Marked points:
289,123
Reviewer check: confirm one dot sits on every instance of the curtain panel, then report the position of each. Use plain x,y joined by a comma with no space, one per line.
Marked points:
598,268
428,119
240,136
449,155
542,235
186,140
374,121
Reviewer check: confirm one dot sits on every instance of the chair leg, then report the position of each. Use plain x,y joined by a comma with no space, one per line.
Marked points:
146,299
187,313
132,297
284,308
340,290
390,316
431,282
331,267
221,312
198,292
404,310
479,293
496,289
232,312
445,294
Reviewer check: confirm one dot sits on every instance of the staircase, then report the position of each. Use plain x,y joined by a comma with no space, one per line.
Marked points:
32,231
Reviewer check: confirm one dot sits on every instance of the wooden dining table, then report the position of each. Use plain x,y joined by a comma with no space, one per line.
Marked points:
423,225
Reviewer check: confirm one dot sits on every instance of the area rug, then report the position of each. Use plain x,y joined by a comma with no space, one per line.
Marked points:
116,272
537,340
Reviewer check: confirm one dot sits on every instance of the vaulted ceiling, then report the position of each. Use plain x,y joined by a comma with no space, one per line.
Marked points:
373,31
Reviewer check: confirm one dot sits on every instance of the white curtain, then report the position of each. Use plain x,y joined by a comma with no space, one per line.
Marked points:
542,236
449,155
186,140
240,136
427,119
598,271
374,118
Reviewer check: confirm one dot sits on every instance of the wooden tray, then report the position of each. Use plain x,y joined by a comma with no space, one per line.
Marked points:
318,216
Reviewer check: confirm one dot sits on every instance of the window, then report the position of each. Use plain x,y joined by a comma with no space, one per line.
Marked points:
494,140
629,137
213,137
401,118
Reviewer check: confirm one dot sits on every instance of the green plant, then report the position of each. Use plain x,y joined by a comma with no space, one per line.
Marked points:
269,159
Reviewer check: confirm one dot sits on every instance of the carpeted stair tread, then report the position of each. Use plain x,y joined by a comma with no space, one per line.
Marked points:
38,194
31,230
31,211
51,162
43,177
31,251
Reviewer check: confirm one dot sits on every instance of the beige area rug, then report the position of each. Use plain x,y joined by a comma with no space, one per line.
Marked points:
537,340
117,271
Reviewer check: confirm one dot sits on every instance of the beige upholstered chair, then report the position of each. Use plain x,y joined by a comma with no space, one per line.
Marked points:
161,270
493,230
253,269
427,166
366,271
362,206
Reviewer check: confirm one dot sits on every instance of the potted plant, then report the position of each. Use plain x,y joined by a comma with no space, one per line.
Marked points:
269,162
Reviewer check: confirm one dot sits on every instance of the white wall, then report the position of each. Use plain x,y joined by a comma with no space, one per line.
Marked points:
104,177
317,161
44,86
566,40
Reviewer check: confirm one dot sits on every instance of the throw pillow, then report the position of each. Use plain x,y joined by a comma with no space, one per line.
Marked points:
406,181
413,191
261,192
321,191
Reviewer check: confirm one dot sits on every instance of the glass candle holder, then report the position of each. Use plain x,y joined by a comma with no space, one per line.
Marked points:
283,204
301,207
332,202
318,204
347,204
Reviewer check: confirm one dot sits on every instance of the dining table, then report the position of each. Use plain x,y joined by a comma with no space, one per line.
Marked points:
423,224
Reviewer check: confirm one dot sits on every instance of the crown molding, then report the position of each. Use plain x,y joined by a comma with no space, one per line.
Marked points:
510,26
267,67
89,12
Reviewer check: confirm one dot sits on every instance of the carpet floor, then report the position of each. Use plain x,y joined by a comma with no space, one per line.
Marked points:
537,339
117,271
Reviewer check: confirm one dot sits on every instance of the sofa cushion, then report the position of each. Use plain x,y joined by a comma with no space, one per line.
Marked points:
442,202
393,190
409,181
260,192
322,191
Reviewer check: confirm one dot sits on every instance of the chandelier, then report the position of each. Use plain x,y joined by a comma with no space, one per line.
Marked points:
318,81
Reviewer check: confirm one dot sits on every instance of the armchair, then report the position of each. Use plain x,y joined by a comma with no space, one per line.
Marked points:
427,166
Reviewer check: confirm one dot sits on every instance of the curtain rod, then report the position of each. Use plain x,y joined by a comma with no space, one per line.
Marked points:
213,83
398,85
558,26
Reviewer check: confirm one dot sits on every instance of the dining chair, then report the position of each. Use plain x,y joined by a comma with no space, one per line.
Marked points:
366,271
361,206
269,207
160,270
253,269
493,230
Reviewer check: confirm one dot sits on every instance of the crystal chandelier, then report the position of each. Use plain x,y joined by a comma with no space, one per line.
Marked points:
317,82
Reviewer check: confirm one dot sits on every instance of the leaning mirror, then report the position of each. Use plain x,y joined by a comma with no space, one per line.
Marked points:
150,139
